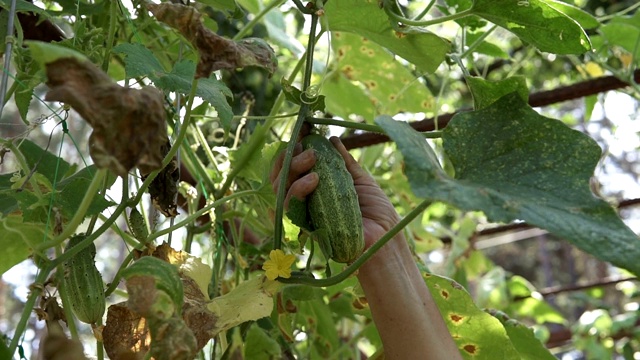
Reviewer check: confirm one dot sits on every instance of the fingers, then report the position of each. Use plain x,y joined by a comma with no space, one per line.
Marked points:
301,163
302,187
360,177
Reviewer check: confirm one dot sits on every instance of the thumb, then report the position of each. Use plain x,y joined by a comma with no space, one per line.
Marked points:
360,176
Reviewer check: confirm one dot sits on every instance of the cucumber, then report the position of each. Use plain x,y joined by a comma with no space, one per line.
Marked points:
83,282
333,206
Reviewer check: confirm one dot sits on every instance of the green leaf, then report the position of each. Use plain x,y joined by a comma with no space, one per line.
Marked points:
420,47
344,98
317,318
71,195
486,47
297,97
298,214
389,84
469,22
487,92
209,89
165,275
513,163
16,239
536,22
25,6
44,162
586,20
523,338
229,7
45,53
139,61
624,31
259,345
4,349
527,306
303,293
477,334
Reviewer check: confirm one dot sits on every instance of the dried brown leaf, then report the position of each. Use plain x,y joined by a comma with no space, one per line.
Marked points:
164,187
172,340
215,52
129,127
126,335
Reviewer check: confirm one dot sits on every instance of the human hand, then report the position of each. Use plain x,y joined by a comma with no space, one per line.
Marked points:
378,215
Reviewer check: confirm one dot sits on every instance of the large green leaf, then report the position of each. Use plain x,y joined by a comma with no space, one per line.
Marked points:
260,345
522,337
624,31
345,98
477,334
487,92
388,84
44,162
140,61
536,22
420,47
16,239
513,163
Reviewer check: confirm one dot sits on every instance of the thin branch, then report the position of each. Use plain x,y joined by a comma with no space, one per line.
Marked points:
543,98
522,225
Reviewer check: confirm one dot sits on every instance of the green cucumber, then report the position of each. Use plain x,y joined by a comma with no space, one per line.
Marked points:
83,282
333,206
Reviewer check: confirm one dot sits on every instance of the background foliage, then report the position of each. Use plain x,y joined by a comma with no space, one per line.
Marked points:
522,102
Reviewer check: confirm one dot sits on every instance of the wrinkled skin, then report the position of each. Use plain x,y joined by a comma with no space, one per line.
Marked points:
404,312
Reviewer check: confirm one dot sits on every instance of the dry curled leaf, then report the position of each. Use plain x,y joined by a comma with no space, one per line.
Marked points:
126,335
129,127
215,52
164,187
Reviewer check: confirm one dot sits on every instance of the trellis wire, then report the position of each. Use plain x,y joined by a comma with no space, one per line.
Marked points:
7,54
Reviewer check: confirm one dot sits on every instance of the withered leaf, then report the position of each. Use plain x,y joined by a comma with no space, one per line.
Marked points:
164,187
126,335
215,52
129,126
172,340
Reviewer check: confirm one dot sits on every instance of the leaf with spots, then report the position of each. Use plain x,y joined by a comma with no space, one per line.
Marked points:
537,22
487,92
513,163
420,47
522,337
477,334
388,84
338,89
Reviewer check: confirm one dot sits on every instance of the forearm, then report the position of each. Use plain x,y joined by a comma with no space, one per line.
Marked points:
404,312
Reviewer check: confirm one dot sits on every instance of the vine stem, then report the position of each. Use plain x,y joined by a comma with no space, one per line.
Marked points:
176,145
201,212
245,29
9,39
305,280
113,17
78,218
26,312
302,114
22,162
258,136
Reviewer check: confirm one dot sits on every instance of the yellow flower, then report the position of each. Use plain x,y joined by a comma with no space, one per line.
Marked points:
278,264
